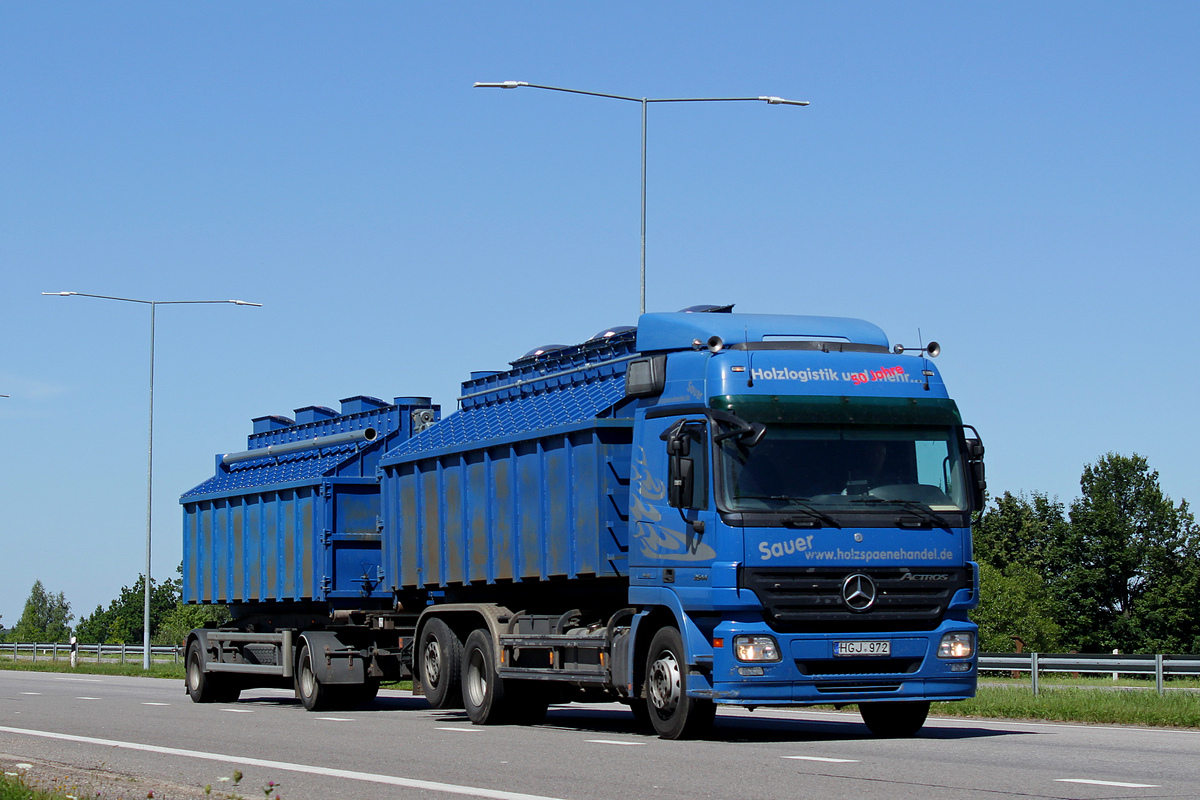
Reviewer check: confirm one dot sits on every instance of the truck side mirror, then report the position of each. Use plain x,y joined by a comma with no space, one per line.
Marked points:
680,482
978,483
974,446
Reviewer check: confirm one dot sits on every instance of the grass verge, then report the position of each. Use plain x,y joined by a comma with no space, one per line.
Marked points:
1073,704
13,787
173,671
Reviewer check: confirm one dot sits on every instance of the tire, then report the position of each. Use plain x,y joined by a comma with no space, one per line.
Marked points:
312,693
205,687
440,653
897,720
672,713
482,689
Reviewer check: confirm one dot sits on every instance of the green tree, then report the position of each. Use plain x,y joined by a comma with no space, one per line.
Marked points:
1129,577
1015,603
184,618
47,617
1018,542
93,628
1021,529
124,619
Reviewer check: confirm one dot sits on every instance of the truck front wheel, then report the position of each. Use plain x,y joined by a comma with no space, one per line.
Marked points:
440,652
482,688
896,720
673,714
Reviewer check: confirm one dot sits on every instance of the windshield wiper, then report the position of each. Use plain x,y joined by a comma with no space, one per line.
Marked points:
920,510
807,508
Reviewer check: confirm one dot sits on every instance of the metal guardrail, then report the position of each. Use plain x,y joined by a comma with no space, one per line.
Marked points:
95,653
1160,666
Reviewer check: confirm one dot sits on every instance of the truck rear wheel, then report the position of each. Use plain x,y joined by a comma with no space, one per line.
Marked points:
312,693
440,651
205,687
897,720
482,688
673,714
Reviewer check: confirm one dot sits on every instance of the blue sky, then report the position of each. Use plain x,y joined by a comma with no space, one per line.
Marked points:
1019,181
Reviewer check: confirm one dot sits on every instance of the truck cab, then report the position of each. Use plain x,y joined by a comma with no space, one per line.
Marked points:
800,499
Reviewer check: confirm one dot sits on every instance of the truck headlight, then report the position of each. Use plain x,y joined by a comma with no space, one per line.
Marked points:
755,648
960,644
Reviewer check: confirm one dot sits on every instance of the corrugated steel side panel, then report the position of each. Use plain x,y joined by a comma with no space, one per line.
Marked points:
551,506
255,548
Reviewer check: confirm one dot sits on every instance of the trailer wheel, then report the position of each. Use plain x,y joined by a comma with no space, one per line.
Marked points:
673,714
204,687
440,652
482,688
312,693
897,720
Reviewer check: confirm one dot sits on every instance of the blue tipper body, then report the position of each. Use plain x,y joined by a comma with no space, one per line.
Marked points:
301,526
529,480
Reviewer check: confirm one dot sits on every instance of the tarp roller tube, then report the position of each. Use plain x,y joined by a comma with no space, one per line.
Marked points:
333,440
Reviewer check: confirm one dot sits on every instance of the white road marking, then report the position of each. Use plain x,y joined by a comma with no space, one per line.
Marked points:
1108,783
614,741
87,698
337,719
82,680
389,780
461,730
237,710
30,692
826,760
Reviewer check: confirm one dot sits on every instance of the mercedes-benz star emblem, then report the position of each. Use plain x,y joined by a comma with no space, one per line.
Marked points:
858,592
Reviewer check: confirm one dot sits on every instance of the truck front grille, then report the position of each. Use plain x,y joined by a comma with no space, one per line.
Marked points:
809,600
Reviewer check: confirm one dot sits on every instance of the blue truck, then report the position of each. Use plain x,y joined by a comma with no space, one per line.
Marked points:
708,509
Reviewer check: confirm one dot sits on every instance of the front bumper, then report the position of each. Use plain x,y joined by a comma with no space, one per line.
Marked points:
810,674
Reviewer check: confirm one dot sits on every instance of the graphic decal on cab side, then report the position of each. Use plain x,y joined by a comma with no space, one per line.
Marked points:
658,539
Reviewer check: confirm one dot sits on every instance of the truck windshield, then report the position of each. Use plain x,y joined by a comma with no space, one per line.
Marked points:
874,458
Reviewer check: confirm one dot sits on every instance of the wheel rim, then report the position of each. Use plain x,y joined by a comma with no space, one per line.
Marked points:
665,684
433,662
476,683
194,673
307,679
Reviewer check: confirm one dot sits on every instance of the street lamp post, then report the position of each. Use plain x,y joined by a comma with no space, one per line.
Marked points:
150,446
770,100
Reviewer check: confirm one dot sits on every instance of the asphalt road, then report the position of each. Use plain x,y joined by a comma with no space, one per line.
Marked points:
127,737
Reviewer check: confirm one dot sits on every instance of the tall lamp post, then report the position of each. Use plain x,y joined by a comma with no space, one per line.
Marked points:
775,101
150,446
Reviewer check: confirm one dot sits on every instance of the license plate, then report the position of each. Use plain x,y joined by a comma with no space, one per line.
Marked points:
862,648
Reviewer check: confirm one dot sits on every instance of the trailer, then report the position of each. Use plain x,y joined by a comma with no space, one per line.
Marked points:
710,508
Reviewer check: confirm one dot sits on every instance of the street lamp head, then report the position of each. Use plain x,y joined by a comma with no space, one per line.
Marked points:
501,85
245,303
59,294
779,101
